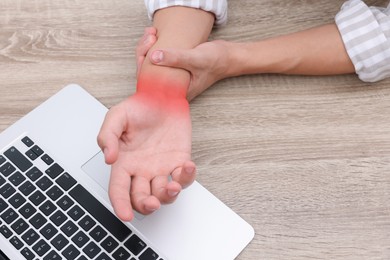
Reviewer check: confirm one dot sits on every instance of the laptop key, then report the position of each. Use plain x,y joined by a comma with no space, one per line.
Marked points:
66,181
2,159
91,250
27,141
30,237
52,256
69,228
34,174
38,220
41,247
59,242
30,154
6,169
71,252
17,200
37,198
76,212
47,159
26,188
48,231
37,150
108,220
3,205
148,254
103,256
6,232
120,254
58,218
54,193
47,207
98,233
109,244
65,203
27,210
9,216
54,171
19,226
16,242
135,244
80,239
44,183
87,223
7,190
18,159
2,180
17,178
27,254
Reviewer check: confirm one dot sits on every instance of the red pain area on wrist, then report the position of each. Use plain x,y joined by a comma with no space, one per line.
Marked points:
162,95
162,86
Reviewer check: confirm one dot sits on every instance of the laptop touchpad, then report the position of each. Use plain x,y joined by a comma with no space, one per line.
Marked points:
98,170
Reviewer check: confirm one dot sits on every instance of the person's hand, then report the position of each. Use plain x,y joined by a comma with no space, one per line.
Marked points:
144,44
147,140
207,63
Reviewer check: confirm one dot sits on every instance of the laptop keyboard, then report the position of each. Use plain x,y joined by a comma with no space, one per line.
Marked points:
47,214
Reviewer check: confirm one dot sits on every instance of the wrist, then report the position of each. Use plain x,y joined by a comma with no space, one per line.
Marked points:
238,59
162,85
162,95
265,56
167,81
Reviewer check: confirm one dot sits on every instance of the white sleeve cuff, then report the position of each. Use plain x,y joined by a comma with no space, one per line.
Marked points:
217,7
365,32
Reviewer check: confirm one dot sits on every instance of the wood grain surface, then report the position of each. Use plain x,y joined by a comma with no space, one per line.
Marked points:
305,160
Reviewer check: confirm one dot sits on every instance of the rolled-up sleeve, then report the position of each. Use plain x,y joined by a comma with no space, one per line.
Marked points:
217,7
366,34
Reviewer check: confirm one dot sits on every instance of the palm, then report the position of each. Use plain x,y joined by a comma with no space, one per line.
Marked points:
156,142
147,138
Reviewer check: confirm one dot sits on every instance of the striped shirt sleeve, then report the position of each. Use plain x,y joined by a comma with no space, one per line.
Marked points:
217,7
366,34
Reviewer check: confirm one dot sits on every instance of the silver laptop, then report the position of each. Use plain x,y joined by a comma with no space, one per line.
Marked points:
54,202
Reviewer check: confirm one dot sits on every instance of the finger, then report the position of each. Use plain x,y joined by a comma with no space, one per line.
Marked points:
119,193
145,43
141,197
142,51
185,175
164,190
183,59
149,34
113,126
149,31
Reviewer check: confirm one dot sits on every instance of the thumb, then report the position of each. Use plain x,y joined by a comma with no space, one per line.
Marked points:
110,133
173,58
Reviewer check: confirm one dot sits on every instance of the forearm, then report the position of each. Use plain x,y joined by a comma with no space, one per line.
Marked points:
177,27
317,51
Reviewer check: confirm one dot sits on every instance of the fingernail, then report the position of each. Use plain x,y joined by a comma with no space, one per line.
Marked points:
147,39
190,170
150,209
157,56
172,193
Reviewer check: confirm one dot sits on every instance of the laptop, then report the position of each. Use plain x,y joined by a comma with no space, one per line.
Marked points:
54,202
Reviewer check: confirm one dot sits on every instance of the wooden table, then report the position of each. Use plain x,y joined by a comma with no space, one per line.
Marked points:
305,160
